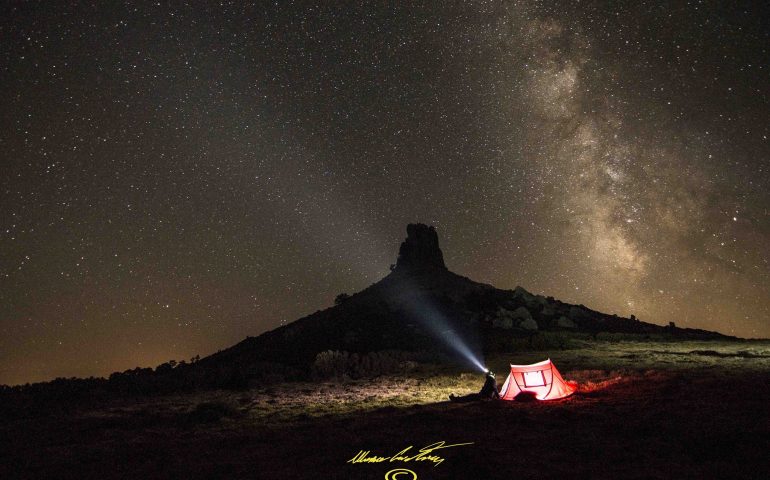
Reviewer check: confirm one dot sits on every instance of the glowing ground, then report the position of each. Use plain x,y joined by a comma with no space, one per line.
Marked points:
644,410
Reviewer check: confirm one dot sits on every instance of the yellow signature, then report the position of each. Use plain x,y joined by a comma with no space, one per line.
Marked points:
425,454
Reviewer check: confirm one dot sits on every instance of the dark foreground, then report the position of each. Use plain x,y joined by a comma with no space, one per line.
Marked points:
658,423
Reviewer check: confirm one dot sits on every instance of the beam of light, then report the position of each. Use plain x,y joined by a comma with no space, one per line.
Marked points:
452,339
421,309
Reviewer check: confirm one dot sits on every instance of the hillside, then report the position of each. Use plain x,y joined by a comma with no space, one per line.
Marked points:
421,300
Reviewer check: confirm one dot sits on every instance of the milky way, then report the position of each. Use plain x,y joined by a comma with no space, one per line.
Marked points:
176,178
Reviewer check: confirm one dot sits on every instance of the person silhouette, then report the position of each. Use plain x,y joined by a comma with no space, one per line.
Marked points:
488,391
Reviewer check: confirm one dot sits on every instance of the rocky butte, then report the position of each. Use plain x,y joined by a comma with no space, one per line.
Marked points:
404,310
420,249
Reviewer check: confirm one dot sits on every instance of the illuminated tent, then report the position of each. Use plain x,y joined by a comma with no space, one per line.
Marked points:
540,379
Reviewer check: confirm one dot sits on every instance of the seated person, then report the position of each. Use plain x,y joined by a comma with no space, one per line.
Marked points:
488,391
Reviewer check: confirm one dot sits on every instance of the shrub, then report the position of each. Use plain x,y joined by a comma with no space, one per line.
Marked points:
543,341
633,337
330,364
342,365
339,299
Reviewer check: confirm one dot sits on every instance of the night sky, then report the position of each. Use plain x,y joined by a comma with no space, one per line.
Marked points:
175,178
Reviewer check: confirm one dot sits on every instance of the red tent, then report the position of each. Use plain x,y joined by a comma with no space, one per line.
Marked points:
541,379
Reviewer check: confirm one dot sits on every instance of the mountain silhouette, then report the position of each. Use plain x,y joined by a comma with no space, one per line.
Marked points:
420,302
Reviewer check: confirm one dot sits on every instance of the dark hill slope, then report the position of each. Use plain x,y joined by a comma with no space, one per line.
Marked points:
419,300
402,311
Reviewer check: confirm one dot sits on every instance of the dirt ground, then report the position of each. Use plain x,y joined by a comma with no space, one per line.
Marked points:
689,413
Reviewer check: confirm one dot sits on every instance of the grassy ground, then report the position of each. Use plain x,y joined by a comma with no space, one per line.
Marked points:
644,410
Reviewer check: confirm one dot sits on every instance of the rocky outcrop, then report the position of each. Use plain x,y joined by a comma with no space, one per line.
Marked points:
521,314
564,322
420,250
528,324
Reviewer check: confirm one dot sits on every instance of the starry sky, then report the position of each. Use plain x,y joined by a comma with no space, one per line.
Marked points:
175,177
